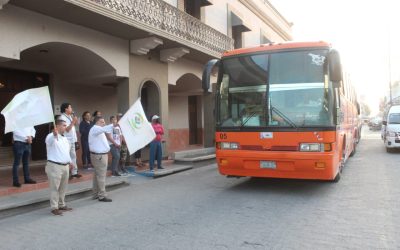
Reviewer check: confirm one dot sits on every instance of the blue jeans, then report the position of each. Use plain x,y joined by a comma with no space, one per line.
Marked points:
21,151
116,155
155,153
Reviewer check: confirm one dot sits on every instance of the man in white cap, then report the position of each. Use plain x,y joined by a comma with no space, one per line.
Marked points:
155,145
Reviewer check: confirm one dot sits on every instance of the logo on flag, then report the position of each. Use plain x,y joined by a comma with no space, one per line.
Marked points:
137,121
136,130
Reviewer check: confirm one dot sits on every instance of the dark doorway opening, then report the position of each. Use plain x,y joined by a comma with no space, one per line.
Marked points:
195,135
193,8
150,99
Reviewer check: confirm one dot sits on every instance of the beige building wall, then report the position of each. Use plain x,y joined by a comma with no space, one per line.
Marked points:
181,67
259,19
216,16
149,68
178,106
87,98
21,29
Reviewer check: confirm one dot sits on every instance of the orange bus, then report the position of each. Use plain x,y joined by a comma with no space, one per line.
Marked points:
283,110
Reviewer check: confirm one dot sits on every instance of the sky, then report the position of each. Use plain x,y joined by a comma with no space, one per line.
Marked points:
364,32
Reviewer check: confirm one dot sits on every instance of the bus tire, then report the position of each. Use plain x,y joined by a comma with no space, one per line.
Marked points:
341,166
354,149
337,177
389,150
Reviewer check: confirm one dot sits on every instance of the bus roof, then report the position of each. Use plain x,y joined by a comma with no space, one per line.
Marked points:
276,46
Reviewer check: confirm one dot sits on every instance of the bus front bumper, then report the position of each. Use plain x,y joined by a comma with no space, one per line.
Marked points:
292,165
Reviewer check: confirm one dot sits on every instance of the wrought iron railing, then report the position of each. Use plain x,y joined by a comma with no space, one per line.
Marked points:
166,18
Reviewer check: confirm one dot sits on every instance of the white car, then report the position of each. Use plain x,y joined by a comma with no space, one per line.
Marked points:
391,134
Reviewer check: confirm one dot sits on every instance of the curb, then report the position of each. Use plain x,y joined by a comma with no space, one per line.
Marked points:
175,170
195,158
165,172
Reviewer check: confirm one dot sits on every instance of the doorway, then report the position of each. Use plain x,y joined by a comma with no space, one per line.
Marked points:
150,99
13,82
195,136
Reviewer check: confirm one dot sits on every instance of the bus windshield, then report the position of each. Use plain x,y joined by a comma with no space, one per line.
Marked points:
284,89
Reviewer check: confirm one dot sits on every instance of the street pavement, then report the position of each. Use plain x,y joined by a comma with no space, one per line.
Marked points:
200,209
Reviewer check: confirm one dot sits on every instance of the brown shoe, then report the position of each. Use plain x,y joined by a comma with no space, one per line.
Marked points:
65,208
56,212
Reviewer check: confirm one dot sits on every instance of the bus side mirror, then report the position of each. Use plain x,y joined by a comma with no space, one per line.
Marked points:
335,68
384,123
206,78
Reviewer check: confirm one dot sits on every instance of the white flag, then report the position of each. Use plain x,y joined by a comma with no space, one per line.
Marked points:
28,108
137,131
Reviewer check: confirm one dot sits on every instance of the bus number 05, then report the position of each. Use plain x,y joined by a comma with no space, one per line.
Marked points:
223,136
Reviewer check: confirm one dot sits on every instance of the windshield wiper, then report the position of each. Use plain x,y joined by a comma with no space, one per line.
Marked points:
248,118
283,116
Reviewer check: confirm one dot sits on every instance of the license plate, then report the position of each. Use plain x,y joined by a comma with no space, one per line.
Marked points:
268,164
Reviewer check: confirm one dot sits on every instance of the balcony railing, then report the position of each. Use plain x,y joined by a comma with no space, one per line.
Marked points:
171,21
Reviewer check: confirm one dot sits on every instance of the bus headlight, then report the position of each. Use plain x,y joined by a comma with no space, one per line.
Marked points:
228,145
311,147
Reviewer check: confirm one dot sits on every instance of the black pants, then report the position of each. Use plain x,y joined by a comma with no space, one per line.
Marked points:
85,151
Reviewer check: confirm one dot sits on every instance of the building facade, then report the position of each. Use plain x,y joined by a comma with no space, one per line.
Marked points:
104,54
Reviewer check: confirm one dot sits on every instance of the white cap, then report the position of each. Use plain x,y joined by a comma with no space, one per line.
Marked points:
155,117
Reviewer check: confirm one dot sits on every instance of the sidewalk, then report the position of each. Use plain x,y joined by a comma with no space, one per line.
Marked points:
37,173
28,201
29,197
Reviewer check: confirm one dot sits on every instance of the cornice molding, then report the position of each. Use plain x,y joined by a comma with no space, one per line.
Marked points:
268,20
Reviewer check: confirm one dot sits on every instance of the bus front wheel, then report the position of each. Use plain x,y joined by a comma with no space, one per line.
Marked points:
341,166
337,177
354,149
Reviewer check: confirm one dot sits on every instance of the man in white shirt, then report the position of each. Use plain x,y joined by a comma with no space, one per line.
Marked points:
22,149
70,134
99,148
57,167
